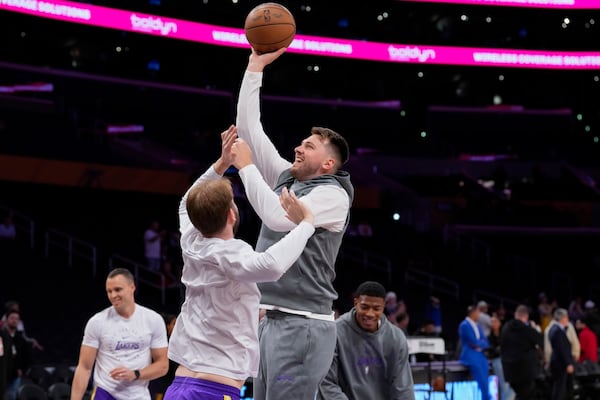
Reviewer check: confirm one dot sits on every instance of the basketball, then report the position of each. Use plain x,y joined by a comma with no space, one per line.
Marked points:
269,27
438,384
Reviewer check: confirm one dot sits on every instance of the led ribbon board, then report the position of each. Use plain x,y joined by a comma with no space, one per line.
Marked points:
563,4
314,45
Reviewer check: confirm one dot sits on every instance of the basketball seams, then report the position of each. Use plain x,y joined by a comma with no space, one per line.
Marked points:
270,26
272,43
259,18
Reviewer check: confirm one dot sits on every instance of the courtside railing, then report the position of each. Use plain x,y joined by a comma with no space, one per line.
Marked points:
435,283
57,243
142,274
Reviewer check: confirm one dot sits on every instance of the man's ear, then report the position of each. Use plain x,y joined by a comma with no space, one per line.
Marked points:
328,165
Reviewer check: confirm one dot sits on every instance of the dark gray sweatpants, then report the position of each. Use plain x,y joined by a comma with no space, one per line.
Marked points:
295,355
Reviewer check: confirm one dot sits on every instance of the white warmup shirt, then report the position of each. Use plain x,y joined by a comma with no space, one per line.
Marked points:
217,329
124,342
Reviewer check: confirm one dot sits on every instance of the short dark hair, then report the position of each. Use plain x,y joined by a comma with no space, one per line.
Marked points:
371,289
471,308
337,141
11,305
121,271
401,316
522,310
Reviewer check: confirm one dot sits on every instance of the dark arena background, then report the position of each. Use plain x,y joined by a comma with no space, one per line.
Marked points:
474,129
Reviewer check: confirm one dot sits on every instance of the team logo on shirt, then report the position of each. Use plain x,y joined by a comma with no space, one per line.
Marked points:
369,360
127,346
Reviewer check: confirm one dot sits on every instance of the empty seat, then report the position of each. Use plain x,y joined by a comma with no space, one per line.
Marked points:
62,373
31,391
59,391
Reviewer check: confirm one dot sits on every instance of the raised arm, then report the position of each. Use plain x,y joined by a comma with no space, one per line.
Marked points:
248,121
328,203
215,171
277,259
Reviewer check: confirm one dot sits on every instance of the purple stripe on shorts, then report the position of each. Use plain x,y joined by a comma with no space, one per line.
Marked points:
185,388
101,394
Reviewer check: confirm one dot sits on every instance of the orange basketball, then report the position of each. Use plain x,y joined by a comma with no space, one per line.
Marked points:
438,384
269,27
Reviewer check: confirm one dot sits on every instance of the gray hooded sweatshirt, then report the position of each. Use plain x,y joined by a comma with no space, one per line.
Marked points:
368,365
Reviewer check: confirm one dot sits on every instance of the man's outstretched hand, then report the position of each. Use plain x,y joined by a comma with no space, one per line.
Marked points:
296,211
258,62
228,138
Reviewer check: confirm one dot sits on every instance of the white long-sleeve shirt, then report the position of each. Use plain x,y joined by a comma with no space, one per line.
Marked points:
329,203
217,329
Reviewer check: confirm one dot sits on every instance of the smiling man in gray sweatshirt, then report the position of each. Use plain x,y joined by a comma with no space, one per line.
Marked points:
371,354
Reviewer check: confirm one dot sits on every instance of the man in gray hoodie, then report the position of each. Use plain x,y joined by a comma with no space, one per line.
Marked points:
371,354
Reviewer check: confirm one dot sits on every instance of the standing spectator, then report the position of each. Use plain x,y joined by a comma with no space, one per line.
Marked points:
403,322
574,344
562,363
18,349
592,317
571,333
299,305
371,354
544,310
171,248
153,246
393,306
520,350
473,344
493,354
501,313
391,303
576,308
13,305
484,318
124,344
171,274
587,340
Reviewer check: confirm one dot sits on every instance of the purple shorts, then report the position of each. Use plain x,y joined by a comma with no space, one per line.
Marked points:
101,394
184,388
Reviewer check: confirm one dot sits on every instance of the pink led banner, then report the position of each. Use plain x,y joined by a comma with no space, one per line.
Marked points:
564,4
323,46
